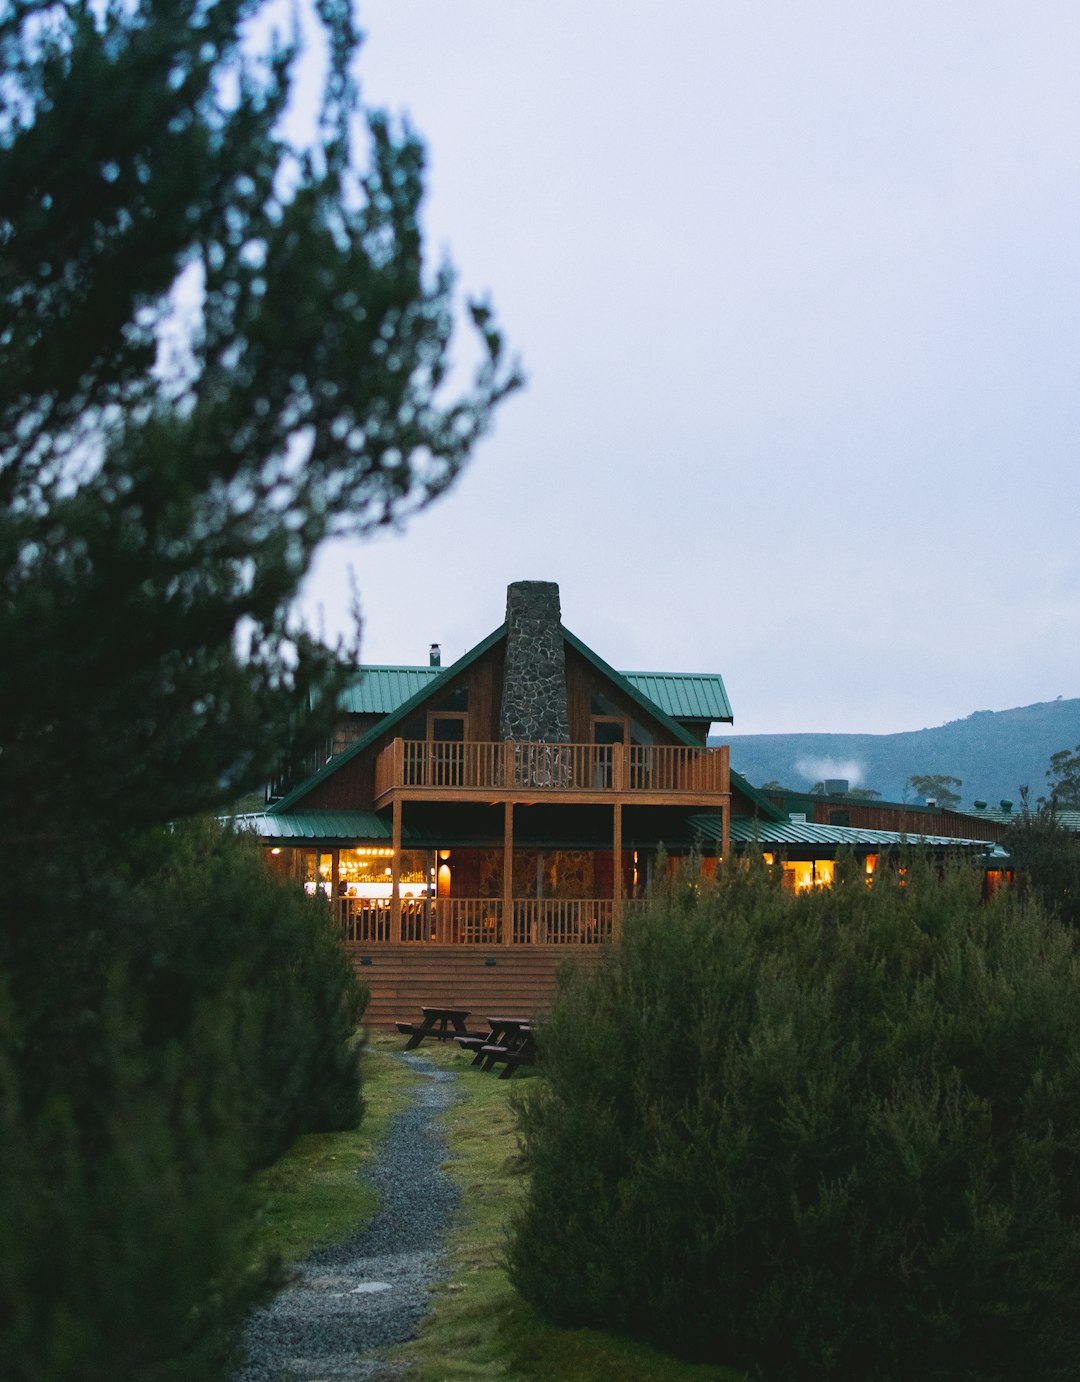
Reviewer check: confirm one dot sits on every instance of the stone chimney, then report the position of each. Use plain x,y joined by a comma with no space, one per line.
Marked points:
534,678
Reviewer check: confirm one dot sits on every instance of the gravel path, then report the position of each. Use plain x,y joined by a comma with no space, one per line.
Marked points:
357,1299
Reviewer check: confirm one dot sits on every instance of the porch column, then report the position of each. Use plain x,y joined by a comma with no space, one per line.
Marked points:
616,910
335,874
508,874
725,829
395,877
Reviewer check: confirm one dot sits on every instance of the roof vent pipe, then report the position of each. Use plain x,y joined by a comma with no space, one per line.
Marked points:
435,655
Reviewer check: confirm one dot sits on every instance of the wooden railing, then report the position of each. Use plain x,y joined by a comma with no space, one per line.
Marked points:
556,921
572,768
478,921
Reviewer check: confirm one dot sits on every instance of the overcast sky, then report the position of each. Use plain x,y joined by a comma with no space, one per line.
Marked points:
797,289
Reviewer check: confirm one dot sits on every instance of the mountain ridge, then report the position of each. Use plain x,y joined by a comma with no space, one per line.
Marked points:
992,752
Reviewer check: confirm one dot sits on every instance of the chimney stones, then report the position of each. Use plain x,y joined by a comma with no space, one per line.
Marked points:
534,679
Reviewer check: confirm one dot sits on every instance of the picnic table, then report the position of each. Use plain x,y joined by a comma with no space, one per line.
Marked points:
509,1043
441,1023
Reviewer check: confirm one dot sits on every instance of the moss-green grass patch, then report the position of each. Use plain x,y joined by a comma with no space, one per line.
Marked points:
317,1193
479,1326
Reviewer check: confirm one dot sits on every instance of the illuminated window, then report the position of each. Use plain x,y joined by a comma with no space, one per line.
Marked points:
800,875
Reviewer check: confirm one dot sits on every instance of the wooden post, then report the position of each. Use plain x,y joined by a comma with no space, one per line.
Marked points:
508,764
395,876
508,874
616,910
725,807
339,908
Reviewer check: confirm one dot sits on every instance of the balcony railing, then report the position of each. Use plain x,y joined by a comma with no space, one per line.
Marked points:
426,765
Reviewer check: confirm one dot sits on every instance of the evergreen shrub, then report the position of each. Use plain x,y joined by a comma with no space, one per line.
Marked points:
827,1136
170,1019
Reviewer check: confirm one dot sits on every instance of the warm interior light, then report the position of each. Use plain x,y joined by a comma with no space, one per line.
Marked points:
275,850
444,854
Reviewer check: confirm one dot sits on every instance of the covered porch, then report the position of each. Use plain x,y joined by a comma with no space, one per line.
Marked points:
501,875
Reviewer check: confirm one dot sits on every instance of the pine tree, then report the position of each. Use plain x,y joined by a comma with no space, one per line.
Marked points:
217,349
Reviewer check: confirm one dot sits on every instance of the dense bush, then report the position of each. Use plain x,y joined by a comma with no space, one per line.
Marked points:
831,1136
158,1040
1047,859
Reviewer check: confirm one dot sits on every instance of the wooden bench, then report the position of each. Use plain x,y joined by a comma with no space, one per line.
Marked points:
441,1023
509,1057
475,1044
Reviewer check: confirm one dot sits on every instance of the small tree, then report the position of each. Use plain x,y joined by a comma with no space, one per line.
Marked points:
938,787
1063,775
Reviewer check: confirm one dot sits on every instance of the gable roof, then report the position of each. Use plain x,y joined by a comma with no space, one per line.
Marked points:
682,695
402,712
393,680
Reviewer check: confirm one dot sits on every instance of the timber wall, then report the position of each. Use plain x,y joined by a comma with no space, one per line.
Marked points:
521,982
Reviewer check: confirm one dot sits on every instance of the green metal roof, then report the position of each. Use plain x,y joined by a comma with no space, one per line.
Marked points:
1066,818
745,830
316,825
680,695
338,827
685,695
380,690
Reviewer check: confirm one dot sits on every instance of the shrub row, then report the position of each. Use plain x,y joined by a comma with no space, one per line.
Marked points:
833,1136
170,1020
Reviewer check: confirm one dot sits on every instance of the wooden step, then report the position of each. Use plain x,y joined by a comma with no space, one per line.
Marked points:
402,979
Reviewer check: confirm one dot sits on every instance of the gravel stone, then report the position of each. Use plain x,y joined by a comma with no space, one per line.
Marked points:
353,1301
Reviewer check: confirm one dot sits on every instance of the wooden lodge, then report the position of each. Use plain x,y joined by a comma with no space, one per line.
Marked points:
476,825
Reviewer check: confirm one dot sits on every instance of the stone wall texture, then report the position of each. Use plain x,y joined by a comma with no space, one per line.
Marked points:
534,679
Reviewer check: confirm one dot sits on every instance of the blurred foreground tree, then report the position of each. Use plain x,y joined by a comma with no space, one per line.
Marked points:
217,349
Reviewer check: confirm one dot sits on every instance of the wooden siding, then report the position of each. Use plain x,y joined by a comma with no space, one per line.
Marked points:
403,979
873,815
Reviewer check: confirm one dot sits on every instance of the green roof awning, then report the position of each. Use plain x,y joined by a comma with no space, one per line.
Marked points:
330,826
745,831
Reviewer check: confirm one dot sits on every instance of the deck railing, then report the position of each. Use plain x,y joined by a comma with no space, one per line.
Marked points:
562,921
478,921
517,766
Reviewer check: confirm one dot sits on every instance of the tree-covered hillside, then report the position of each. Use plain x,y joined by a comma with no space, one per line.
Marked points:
992,752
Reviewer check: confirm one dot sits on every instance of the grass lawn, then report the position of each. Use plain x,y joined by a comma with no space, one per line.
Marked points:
313,1195
479,1327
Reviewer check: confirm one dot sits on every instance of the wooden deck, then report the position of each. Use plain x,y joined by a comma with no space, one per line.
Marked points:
404,978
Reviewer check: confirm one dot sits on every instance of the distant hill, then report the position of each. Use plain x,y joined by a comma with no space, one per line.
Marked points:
992,752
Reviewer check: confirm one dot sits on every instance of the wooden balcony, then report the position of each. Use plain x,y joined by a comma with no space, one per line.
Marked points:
425,770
